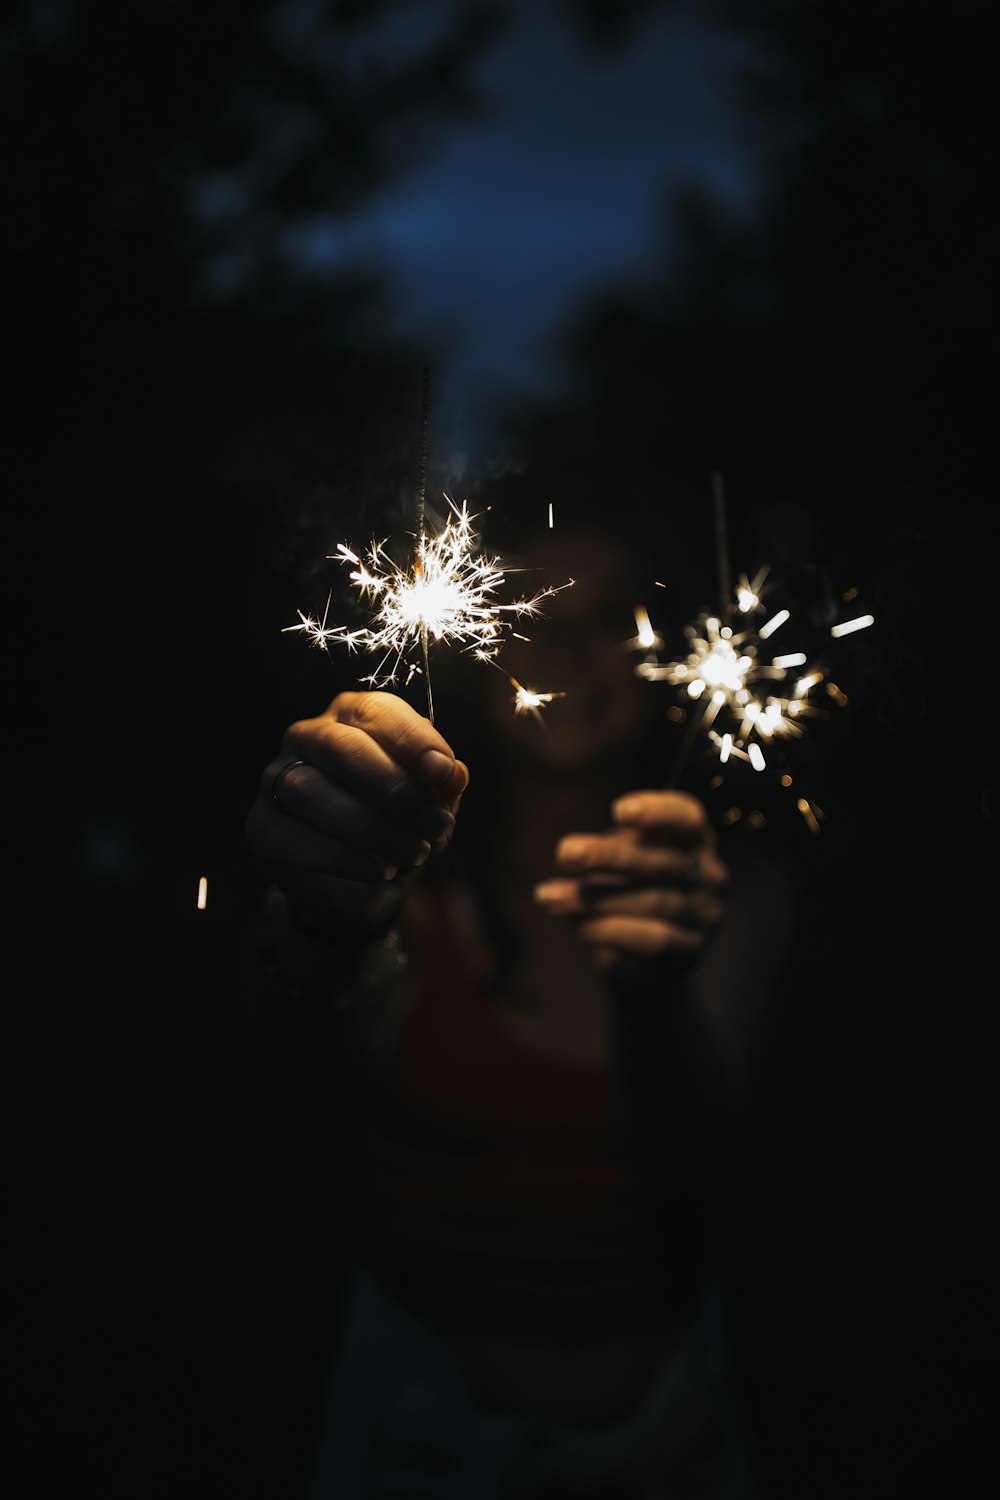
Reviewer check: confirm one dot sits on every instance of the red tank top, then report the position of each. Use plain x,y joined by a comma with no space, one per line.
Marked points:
499,1194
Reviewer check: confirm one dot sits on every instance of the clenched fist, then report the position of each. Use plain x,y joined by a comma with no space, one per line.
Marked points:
355,802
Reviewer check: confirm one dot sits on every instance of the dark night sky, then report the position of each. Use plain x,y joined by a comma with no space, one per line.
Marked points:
554,190
634,243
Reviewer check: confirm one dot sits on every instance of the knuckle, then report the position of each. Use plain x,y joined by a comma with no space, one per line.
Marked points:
367,710
359,709
647,809
297,736
694,811
343,706
573,854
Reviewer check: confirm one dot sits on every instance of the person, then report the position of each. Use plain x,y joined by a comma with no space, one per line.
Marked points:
535,951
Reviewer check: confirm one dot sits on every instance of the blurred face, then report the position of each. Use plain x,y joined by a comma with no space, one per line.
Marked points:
577,648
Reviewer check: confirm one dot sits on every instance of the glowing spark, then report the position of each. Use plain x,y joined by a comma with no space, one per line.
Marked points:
773,623
809,810
527,701
723,669
646,635
314,630
203,893
748,594
551,522
739,699
714,661
849,626
727,747
645,638
448,593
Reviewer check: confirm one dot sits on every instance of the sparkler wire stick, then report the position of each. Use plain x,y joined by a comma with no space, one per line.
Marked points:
692,728
721,542
422,471
422,526
449,589
727,676
696,720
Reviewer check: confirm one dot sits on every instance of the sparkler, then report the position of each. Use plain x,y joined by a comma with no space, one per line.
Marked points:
448,594
743,699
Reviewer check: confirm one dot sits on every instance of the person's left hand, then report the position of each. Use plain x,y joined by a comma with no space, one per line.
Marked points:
650,888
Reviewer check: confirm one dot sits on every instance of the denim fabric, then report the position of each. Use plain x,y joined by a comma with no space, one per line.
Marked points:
400,1422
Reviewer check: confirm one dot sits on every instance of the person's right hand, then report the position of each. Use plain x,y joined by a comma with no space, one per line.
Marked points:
354,802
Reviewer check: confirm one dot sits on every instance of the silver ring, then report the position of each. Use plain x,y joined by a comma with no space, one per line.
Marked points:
276,783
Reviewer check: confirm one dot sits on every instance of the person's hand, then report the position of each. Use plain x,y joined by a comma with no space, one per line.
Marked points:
650,889
354,803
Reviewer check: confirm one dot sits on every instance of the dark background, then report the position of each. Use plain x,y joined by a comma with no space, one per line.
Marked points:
192,419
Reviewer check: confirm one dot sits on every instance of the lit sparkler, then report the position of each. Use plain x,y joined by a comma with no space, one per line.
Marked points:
448,594
729,676
742,697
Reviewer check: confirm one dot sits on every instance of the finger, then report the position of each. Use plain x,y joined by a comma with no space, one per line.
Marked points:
623,852
283,843
640,935
356,761
409,738
310,796
455,789
572,898
672,813
343,910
